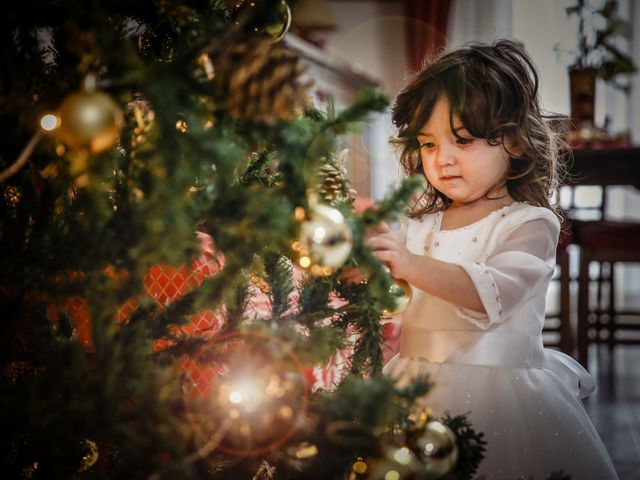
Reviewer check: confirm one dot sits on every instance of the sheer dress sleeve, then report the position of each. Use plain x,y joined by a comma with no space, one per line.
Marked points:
518,269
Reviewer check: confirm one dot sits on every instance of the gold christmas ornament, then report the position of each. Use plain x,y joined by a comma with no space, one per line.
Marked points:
436,448
89,455
257,398
90,121
11,195
402,294
359,470
274,28
325,239
398,463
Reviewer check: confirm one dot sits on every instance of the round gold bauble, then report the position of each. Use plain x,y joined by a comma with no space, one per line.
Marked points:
89,121
402,293
257,395
398,463
325,238
359,470
436,448
274,27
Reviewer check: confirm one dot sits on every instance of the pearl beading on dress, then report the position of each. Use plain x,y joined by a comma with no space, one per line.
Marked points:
429,240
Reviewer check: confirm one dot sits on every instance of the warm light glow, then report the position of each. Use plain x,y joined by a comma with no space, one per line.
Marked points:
181,126
359,467
61,149
286,411
235,397
318,234
49,122
299,214
429,448
402,456
392,475
304,262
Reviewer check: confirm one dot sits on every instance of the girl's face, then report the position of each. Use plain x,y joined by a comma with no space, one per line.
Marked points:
463,168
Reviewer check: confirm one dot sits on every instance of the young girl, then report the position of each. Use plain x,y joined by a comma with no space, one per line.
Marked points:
479,253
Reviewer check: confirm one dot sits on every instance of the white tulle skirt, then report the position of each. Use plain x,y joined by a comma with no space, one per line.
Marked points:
532,418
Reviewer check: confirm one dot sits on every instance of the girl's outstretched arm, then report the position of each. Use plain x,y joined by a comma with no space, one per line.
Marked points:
445,280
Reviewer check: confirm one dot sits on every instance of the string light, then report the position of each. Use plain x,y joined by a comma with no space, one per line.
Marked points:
49,122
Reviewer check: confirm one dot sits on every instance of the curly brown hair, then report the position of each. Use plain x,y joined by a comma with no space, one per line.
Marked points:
493,89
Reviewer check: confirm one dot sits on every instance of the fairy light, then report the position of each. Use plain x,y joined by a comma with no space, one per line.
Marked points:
299,214
304,262
235,397
403,456
182,126
49,122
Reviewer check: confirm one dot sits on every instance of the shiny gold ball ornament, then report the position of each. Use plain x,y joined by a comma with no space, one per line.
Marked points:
359,470
398,463
89,455
437,448
402,294
89,120
256,398
273,25
325,240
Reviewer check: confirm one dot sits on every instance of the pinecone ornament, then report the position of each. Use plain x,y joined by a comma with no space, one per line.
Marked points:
260,81
333,185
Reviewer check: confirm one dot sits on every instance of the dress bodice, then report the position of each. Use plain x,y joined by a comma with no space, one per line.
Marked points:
510,257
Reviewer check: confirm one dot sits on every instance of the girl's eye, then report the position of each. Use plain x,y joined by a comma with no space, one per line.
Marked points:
427,145
464,141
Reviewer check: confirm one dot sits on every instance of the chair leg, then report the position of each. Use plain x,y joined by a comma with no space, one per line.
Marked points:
566,335
582,332
612,309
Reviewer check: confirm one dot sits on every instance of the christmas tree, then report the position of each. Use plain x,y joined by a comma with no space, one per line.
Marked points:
174,225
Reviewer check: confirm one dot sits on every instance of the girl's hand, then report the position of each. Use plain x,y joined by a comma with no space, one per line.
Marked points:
353,275
388,245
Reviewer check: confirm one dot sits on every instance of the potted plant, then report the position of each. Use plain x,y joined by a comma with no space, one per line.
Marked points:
596,56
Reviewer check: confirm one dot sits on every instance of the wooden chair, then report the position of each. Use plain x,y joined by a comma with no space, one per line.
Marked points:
600,320
604,244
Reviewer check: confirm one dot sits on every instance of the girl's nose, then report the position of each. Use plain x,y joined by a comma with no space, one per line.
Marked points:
444,155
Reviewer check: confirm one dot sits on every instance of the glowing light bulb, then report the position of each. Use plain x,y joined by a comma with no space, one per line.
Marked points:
49,122
304,262
235,397
402,456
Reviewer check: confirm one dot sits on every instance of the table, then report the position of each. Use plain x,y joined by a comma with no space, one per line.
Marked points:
605,166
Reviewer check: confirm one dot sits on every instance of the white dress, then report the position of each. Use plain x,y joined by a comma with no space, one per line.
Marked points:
525,399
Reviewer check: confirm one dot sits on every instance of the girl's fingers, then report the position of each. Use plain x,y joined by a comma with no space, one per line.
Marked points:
379,229
352,275
384,256
389,241
381,243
